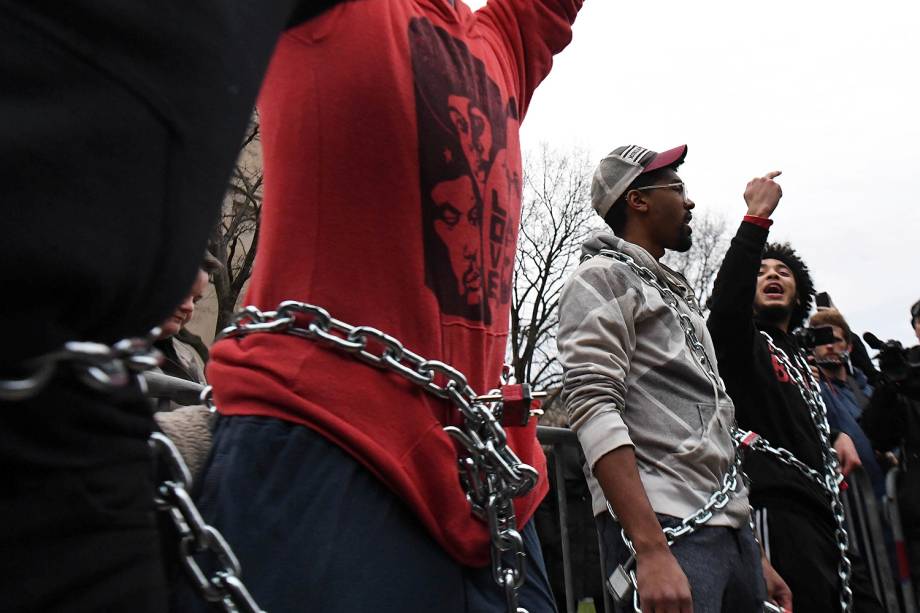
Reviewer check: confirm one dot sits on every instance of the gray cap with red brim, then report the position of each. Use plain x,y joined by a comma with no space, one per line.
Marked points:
619,169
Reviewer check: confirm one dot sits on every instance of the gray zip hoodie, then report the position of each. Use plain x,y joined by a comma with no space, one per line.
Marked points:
630,379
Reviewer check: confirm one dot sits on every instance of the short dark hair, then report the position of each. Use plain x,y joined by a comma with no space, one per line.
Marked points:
914,312
616,216
804,286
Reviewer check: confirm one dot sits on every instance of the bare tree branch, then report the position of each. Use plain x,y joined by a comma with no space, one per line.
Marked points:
555,219
236,234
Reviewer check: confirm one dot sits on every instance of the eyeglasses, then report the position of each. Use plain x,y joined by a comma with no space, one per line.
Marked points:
680,187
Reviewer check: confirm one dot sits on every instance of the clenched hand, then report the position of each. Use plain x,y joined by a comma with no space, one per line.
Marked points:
762,194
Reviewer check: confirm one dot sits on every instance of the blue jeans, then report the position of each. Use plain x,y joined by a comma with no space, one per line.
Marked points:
722,564
315,531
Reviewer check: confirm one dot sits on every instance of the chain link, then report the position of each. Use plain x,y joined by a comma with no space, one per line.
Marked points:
100,367
206,397
196,537
491,473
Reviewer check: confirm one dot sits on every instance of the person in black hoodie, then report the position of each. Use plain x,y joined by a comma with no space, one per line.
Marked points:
121,121
766,291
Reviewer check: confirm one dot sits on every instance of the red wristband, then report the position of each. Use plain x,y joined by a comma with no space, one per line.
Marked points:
763,222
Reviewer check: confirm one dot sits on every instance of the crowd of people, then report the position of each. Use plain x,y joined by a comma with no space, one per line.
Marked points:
351,390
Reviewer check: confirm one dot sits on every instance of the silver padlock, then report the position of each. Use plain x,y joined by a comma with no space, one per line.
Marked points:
620,582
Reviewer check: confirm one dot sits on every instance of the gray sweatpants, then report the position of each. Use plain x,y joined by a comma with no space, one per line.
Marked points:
722,564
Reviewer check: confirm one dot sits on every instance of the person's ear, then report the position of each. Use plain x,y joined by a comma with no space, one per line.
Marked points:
636,200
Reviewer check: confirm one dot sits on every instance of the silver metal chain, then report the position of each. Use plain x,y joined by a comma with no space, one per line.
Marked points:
491,473
810,391
754,441
101,367
196,537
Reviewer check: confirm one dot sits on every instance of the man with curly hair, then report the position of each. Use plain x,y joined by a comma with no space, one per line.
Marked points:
761,294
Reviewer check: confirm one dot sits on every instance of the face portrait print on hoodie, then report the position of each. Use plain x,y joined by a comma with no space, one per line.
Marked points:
470,186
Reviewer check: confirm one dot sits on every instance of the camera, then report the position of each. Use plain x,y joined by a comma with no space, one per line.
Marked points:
808,338
898,365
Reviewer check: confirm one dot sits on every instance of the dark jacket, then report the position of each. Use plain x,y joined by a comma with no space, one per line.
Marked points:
892,419
766,399
845,401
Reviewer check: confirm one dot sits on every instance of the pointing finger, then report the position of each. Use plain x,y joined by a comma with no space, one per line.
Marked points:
774,174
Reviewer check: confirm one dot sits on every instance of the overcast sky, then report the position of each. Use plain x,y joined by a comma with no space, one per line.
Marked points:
827,92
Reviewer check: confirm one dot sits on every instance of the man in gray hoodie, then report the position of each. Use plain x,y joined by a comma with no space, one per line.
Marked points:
644,396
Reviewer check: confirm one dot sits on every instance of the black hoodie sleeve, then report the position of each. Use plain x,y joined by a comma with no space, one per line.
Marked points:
731,318
882,420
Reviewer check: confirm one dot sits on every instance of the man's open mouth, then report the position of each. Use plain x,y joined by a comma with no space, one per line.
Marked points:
773,289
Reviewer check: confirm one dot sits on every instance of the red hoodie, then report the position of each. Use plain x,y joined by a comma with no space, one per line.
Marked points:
392,199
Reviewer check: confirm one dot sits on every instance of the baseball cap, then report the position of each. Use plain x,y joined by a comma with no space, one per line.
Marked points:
619,169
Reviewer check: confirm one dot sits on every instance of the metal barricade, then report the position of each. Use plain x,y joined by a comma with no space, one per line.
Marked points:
555,440
894,520
864,520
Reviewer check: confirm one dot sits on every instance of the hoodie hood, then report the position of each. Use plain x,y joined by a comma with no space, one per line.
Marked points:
606,240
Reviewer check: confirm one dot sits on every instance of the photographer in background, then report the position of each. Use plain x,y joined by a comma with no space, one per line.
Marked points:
845,390
858,355
892,421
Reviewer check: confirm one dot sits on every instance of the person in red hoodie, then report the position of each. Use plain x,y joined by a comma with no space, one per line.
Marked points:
390,133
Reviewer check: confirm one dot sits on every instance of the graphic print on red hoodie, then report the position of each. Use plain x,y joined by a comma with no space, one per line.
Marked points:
470,186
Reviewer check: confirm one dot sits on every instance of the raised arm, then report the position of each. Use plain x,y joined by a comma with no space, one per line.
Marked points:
597,337
731,318
527,34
